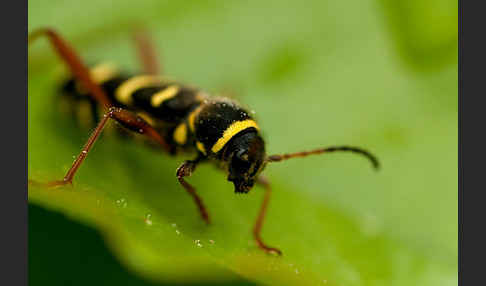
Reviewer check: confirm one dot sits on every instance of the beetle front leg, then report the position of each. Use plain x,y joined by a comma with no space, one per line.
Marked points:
186,170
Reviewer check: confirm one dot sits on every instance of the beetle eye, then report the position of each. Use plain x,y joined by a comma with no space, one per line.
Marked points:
240,163
242,154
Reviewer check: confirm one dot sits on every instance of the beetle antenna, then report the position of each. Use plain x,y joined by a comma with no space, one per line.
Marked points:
356,150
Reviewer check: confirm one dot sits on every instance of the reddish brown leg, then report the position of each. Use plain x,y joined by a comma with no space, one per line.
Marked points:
185,170
257,229
73,61
124,117
146,52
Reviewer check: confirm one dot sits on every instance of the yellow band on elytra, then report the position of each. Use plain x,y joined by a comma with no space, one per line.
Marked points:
124,92
163,95
103,72
192,117
231,131
200,147
180,134
100,74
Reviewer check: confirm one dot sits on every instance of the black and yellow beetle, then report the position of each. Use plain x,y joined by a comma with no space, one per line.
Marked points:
179,117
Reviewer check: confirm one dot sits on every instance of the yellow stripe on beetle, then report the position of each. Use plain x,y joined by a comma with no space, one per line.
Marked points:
180,134
163,95
192,117
200,147
231,131
100,74
124,92
103,72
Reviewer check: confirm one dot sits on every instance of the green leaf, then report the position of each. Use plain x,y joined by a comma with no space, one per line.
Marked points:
80,248
319,74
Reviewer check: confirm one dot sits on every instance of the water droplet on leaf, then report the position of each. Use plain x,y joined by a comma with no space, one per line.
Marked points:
148,219
122,203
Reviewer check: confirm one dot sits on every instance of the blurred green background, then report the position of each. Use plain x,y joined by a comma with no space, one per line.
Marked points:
373,73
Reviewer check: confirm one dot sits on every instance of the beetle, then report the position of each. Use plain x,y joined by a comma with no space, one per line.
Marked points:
178,117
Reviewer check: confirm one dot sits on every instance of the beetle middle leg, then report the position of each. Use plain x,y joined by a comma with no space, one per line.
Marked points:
257,229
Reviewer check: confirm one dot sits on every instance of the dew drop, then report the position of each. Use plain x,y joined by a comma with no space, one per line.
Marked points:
178,232
198,243
140,130
122,203
84,152
148,219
